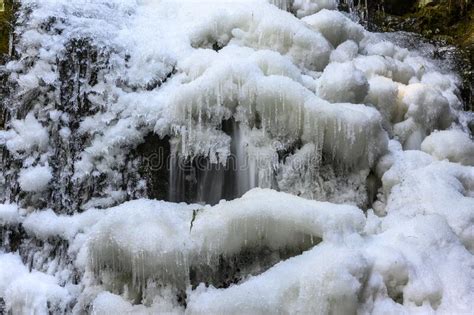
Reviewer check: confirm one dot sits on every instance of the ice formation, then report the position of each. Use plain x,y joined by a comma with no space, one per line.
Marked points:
302,164
453,145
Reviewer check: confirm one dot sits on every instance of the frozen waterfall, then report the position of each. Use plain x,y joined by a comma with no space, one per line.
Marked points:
229,157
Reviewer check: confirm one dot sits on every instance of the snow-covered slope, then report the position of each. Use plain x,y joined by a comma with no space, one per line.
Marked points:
346,155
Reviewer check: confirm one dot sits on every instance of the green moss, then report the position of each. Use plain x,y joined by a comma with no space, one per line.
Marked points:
452,21
6,18
445,23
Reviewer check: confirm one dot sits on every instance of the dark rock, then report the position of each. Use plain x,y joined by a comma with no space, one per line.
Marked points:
471,126
153,155
397,7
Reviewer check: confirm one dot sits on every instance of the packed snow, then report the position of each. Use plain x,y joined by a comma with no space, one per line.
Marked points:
35,179
25,292
452,145
357,194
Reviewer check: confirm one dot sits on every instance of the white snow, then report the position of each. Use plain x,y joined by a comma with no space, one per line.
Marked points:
35,178
168,242
326,279
335,27
453,145
420,260
356,116
25,292
438,188
9,214
346,51
25,136
342,82
304,8
383,94
426,110
107,303
47,224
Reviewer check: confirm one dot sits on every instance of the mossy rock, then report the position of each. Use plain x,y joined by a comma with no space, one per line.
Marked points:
442,22
398,7
6,18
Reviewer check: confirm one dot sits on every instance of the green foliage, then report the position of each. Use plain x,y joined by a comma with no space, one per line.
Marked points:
6,17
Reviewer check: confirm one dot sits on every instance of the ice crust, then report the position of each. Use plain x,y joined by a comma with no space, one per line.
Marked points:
362,121
26,292
453,145
35,179
223,230
351,262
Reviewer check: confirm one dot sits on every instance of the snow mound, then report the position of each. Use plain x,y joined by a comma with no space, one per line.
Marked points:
383,94
47,224
286,287
416,184
25,136
106,303
342,82
441,189
335,26
453,145
302,8
431,273
9,214
26,292
346,51
35,179
426,110
174,238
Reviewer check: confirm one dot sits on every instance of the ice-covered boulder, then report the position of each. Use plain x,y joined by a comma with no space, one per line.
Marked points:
24,291
344,52
302,8
35,178
264,87
164,241
453,145
335,26
25,136
283,288
416,184
342,83
425,110
418,270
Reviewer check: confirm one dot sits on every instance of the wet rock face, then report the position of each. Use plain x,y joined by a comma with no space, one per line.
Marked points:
6,20
6,16
401,7
199,180
398,7
428,17
66,99
78,71
66,103
154,157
